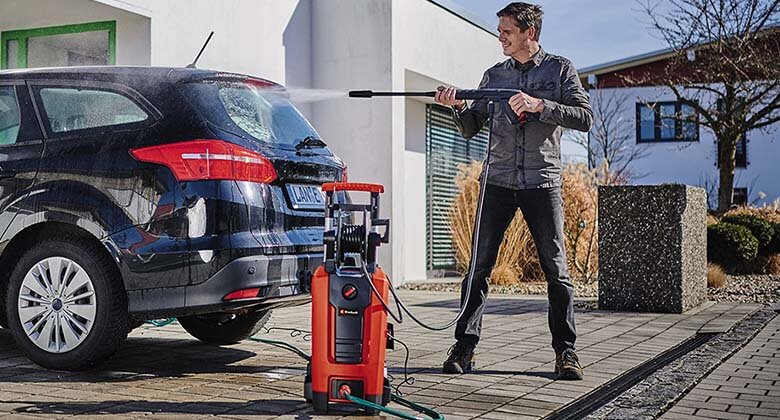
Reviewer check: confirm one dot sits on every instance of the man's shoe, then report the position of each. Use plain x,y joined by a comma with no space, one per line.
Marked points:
567,366
461,359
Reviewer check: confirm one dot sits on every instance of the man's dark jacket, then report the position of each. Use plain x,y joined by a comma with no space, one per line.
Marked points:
529,155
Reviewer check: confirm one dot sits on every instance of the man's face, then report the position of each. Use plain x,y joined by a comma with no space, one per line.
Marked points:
512,39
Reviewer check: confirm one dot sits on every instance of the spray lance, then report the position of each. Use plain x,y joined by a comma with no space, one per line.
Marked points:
492,96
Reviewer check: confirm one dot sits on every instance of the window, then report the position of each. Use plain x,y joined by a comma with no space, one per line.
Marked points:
445,150
70,109
59,46
10,117
263,113
666,121
739,197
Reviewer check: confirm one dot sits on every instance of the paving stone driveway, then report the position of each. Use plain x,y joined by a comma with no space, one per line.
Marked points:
746,386
163,373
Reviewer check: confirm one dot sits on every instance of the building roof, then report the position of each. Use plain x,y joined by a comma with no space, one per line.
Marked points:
457,10
645,58
627,62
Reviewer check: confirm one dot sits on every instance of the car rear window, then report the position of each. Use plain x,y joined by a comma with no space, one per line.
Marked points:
258,112
70,109
10,117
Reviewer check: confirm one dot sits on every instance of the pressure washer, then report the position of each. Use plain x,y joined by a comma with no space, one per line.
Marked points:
350,291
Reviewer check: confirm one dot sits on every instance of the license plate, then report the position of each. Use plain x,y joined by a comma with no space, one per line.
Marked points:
306,197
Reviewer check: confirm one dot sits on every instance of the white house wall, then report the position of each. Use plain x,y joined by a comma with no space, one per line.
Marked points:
132,48
431,46
694,163
250,36
351,50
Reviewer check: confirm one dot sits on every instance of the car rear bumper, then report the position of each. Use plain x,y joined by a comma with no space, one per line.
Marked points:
283,280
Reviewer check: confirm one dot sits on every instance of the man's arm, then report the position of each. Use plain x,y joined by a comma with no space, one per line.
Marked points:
574,110
471,119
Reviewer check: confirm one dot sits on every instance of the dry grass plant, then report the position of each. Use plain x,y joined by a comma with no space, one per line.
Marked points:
768,212
773,265
517,259
716,277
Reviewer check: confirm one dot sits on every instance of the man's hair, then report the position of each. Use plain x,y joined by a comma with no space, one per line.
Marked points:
525,16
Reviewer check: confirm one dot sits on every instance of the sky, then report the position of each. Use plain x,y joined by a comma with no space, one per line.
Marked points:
587,32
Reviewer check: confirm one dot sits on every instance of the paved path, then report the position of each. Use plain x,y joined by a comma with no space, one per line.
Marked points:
163,373
746,386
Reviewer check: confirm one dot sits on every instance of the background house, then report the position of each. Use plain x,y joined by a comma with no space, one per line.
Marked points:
409,145
679,152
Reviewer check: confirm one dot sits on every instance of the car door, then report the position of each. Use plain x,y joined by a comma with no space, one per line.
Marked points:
88,172
21,146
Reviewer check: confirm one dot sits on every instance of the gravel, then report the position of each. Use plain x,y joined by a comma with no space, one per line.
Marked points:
747,288
583,290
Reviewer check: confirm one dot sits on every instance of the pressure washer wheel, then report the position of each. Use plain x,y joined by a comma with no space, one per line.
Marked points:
224,328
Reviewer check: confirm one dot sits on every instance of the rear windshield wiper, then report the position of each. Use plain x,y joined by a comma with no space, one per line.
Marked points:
309,142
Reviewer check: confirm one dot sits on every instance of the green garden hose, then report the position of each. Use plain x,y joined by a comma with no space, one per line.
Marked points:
161,322
432,414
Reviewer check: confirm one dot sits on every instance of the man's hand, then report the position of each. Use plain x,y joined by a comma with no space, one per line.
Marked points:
522,102
445,95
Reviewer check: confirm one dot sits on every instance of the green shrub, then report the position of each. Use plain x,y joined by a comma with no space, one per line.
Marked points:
732,246
760,228
774,246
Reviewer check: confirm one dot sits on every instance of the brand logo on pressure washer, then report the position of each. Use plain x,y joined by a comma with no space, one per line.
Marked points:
350,312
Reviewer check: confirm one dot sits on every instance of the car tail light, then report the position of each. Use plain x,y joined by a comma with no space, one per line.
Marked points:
198,160
344,174
242,294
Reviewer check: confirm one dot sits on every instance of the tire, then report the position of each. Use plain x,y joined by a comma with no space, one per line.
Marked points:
3,316
73,327
221,328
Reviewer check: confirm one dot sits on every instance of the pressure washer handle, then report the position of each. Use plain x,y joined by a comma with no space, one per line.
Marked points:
353,186
493,95
471,94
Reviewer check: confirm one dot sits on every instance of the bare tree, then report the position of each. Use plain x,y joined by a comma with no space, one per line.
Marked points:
724,67
610,146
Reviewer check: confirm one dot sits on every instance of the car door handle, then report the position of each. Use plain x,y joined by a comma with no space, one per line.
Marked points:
7,174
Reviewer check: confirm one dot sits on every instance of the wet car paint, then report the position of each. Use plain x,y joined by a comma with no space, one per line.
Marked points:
163,234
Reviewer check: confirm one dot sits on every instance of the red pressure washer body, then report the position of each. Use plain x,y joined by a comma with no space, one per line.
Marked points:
349,323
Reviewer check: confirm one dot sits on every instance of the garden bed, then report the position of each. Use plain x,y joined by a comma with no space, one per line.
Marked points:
762,288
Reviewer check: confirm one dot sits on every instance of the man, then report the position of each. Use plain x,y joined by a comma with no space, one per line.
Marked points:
525,173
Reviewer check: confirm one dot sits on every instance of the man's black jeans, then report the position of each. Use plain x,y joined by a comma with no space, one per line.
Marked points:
542,209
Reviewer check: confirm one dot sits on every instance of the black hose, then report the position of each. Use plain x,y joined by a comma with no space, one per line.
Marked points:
475,237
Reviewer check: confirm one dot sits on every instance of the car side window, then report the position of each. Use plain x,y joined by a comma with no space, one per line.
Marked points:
71,109
10,116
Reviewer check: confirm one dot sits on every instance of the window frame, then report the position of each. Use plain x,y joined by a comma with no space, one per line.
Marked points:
19,133
30,131
22,35
656,107
36,86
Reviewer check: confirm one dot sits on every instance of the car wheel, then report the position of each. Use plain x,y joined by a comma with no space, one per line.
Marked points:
222,328
3,317
66,307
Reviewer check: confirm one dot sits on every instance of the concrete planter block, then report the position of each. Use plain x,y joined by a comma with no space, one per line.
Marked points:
652,248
